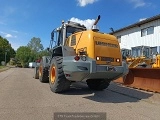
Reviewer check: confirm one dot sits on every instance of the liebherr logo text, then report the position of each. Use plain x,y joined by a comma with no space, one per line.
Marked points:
106,44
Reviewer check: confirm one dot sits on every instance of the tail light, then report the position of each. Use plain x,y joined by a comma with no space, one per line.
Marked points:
77,58
82,54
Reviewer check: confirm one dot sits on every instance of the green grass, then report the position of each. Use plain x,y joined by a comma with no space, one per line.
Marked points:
2,67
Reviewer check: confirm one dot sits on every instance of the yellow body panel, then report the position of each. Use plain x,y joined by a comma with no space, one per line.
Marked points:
96,44
157,63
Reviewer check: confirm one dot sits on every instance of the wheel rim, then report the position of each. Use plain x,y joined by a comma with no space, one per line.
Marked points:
40,70
53,74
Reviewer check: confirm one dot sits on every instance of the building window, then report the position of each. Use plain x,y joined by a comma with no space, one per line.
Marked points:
150,30
147,31
119,39
143,32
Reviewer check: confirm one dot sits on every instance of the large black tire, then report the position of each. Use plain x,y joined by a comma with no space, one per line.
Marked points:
43,73
57,80
36,73
96,84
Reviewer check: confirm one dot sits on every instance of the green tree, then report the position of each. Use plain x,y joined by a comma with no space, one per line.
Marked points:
23,55
5,48
35,45
44,53
37,50
32,52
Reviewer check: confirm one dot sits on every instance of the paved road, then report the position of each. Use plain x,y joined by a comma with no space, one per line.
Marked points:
24,98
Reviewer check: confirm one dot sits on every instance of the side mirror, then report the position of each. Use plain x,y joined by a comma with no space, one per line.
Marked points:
52,35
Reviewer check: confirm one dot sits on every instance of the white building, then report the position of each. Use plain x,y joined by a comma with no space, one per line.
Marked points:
146,32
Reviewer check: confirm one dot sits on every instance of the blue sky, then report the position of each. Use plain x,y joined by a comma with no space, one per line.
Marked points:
20,20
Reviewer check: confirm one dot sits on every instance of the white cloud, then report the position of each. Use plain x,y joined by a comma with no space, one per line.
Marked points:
83,3
141,19
7,35
138,3
88,23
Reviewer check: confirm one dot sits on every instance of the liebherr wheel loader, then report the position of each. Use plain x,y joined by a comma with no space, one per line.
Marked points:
144,69
81,55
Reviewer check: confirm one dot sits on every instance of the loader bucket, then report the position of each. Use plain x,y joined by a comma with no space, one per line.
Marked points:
143,78
119,80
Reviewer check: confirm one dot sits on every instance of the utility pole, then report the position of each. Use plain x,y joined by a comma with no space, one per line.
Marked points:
5,56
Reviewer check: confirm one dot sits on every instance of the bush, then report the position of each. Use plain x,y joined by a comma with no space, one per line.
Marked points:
3,63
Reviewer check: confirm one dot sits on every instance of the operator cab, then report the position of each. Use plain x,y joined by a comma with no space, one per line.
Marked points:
66,30
141,51
125,53
59,36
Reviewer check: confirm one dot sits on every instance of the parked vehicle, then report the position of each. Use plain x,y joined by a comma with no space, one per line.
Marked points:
32,64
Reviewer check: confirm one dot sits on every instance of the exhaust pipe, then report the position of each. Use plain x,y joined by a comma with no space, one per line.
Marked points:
94,27
96,21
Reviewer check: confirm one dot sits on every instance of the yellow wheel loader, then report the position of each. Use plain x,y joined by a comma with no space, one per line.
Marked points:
144,70
82,55
127,56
